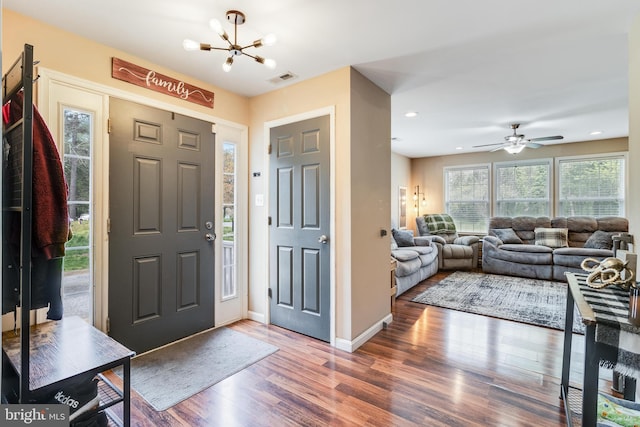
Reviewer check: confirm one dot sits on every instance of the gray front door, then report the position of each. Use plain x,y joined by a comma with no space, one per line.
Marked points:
298,244
161,204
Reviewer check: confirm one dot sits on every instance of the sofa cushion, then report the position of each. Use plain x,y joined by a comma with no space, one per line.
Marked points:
552,237
440,223
403,237
404,255
453,251
573,257
394,244
507,235
600,240
422,250
409,267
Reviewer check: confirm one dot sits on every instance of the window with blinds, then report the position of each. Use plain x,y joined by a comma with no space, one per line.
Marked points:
593,186
523,188
467,197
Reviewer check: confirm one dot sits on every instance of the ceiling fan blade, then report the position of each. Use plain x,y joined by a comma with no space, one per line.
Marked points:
532,145
547,138
488,145
497,149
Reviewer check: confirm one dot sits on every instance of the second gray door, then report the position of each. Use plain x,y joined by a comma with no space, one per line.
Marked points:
299,210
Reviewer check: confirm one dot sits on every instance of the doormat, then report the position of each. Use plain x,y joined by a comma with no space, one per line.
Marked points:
533,301
173,373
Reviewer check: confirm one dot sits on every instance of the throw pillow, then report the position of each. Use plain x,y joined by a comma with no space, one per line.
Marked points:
552,237
507,235
440,223
403,237
600,240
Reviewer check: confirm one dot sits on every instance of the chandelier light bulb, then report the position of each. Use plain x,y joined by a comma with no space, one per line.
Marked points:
216,26
269,40
190,45
270,63
226,67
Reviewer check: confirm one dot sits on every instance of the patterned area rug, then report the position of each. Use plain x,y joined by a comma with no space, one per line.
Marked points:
532,301
170,374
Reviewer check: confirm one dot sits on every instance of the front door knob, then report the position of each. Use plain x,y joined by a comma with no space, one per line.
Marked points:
323,239
210,237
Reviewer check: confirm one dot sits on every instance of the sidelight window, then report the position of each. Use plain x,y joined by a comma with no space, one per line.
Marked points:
76,282
229,191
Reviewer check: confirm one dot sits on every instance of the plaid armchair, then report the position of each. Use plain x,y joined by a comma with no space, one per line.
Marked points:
454,252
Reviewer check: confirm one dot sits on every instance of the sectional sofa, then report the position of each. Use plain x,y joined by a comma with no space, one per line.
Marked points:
546,248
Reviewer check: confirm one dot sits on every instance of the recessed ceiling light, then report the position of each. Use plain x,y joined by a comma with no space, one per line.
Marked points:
411,114
458,148
596,132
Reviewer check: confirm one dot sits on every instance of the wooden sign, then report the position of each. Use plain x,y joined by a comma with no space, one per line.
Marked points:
143,77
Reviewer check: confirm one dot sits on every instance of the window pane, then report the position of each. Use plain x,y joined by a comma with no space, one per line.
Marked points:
467,197
522,189
229,288
77,133
592,187
76,158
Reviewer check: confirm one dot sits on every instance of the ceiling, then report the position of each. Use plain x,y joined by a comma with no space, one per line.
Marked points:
469,68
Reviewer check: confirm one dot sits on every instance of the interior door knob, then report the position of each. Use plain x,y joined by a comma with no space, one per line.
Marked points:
323,239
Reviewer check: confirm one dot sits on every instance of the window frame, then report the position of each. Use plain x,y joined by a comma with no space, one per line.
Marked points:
517,163
446,192
623,155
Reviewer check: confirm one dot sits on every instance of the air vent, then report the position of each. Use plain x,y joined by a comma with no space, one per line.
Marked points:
283,77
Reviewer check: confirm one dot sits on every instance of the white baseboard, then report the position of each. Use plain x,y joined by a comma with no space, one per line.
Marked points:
258,317
352,346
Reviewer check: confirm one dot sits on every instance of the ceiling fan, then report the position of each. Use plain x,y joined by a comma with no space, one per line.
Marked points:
515,143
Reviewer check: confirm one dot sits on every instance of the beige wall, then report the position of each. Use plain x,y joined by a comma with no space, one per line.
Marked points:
634,130
328,90
361,172
400,177
428,171
74,55
370,177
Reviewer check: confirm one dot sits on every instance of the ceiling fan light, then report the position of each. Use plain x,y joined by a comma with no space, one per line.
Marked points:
226,67
514,149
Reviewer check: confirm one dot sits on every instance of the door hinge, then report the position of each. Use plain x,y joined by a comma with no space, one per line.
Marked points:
269,221
269,149
108,324
108,225
270,293
109,125
213,128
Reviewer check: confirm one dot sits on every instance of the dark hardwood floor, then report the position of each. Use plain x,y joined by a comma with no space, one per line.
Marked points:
430,367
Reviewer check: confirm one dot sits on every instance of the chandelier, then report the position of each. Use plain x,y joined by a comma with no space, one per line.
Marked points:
236,18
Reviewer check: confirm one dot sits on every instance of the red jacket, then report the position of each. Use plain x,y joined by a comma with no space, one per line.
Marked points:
50,226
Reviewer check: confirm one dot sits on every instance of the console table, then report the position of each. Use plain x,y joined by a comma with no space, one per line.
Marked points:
604,308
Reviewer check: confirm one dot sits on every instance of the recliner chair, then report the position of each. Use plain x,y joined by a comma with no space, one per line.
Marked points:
454,252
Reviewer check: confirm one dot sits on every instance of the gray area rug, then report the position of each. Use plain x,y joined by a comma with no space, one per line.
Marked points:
532,301
171,374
